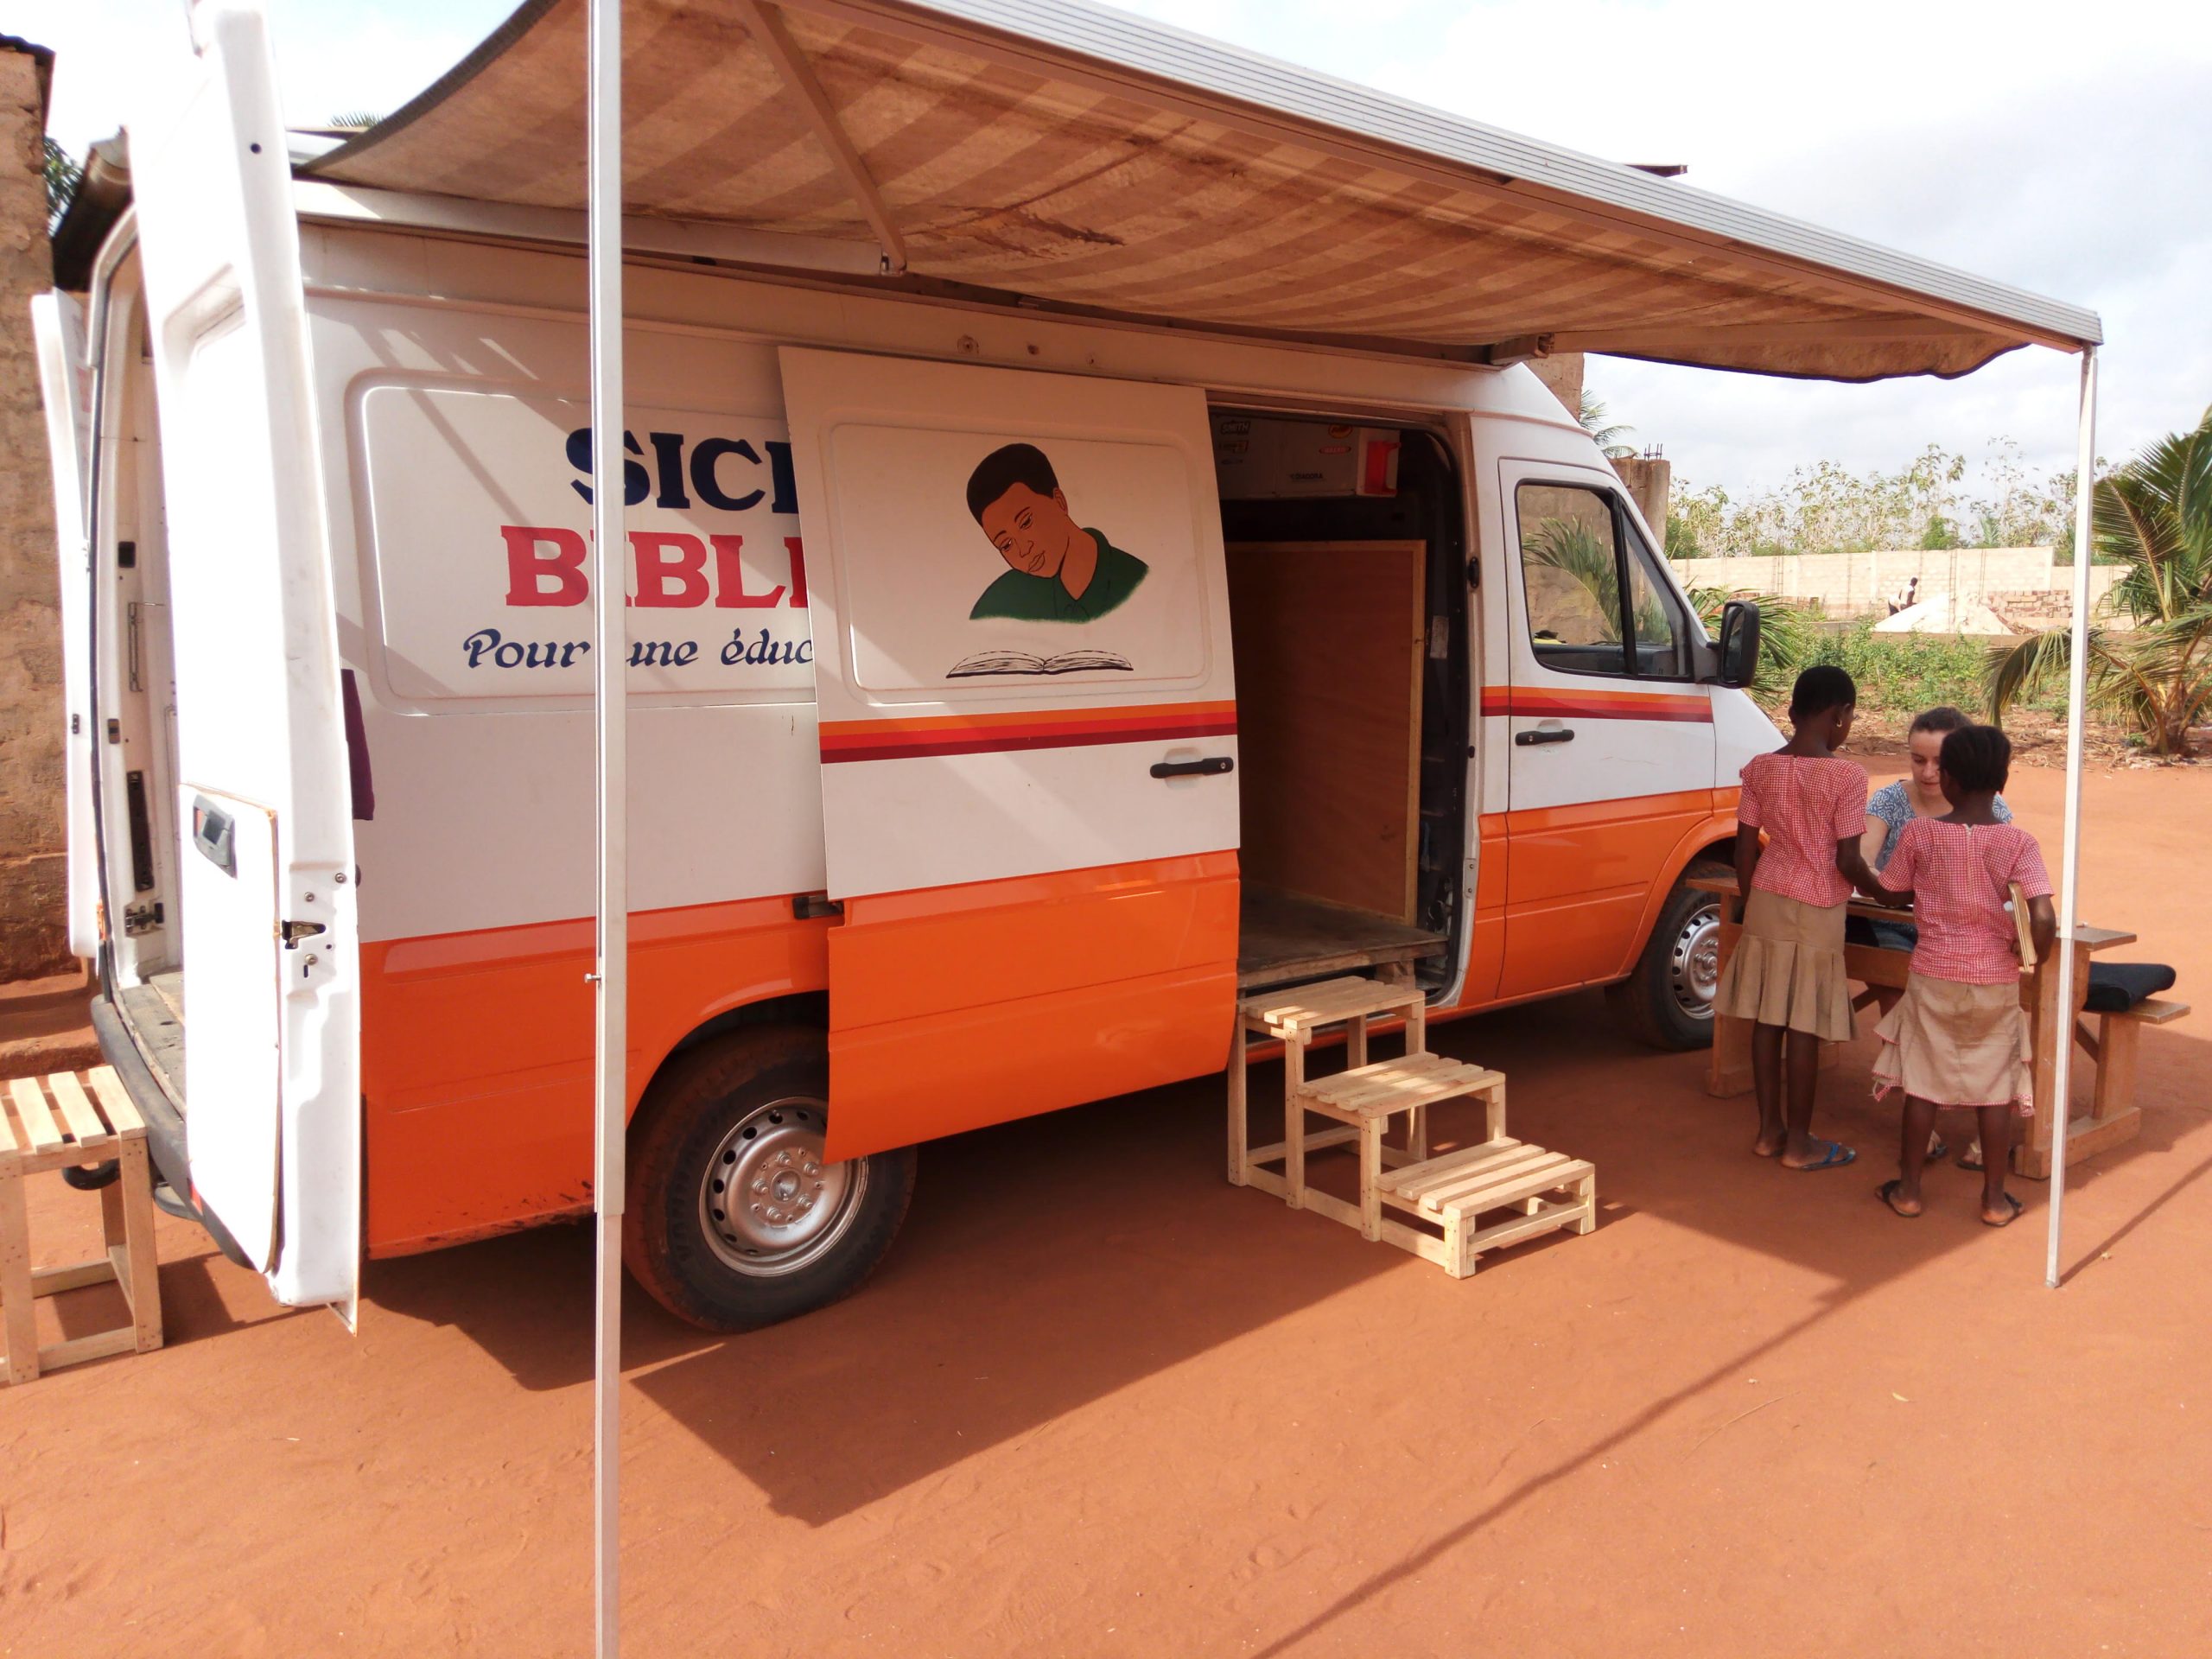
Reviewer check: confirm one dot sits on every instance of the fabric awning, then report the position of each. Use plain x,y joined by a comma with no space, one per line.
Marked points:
1078,157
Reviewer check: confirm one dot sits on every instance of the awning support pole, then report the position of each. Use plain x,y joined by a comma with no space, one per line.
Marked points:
2077,682
765,24
610,699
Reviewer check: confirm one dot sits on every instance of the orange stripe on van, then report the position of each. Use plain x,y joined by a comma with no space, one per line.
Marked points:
1531,704
1057,728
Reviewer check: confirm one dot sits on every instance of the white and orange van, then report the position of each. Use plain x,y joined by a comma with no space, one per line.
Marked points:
1006,690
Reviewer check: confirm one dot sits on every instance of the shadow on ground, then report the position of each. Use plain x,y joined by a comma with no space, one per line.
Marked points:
1050,1262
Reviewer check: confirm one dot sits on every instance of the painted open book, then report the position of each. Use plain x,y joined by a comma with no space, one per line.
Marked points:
1023,662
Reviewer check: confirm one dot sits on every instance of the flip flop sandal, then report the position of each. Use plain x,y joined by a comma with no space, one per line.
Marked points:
1887,1192
2013,1208
1835,1157
1971,1152
1938,1149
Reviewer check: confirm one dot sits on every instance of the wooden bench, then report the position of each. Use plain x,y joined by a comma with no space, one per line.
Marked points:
1547,1190
2114,1115
61,1123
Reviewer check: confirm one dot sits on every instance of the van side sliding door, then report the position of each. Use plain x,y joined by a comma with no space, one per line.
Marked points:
1610,755
272,1112
1027,729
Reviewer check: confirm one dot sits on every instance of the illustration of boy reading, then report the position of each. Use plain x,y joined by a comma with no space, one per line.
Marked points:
1057,570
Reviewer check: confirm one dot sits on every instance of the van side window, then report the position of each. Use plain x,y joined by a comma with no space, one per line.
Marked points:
1597,604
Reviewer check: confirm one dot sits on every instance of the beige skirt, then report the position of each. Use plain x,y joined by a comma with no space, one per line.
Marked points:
1787,969
1957,1045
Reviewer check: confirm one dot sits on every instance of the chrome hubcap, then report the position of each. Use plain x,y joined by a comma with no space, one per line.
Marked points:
1693,961
767,1203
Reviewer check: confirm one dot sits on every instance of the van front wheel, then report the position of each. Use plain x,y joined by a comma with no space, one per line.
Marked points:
1667,1001
733,1218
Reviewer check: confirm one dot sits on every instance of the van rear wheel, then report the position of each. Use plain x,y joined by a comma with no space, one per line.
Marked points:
733,1218
1667,1001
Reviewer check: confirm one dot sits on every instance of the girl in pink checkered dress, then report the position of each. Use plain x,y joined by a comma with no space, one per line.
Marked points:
1786,974
1957,1038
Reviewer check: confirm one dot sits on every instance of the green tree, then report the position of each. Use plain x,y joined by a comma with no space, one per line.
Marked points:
2153,516
1592,415
63,175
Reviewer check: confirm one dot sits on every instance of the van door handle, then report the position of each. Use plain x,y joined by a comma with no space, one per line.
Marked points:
1529,740
1211,766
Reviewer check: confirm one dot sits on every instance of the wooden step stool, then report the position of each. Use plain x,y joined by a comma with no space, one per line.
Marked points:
89,1130
1450,1193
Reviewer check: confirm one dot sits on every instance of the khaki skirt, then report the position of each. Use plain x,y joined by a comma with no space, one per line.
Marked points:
1957,1045
1787,969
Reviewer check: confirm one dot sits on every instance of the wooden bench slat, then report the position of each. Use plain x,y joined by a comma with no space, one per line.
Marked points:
1446,1195
37,1117
1305,1006
84,1122
1540,1175
122,1112
2152,1011
1419,1181
1443,1165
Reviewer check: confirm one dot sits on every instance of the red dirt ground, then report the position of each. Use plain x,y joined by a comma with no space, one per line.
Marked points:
1099,1402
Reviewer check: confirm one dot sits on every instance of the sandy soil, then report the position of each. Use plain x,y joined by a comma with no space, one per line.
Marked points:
1099,1402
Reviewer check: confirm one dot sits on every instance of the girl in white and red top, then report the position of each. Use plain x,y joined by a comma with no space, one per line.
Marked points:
1957,1038
1786,974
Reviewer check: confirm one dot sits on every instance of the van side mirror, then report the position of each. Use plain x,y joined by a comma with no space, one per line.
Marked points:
1737,650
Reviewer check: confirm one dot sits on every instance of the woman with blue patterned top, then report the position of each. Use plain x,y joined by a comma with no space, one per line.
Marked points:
1918,794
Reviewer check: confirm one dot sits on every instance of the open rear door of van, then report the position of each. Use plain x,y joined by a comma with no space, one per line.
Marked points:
1027,727
58,329
272,1114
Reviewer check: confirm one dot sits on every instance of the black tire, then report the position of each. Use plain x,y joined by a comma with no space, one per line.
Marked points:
1666,1000
751,1105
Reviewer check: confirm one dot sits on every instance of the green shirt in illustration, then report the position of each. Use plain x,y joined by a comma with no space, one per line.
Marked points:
1044,599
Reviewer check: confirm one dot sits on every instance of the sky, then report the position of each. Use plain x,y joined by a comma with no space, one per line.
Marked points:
2068,152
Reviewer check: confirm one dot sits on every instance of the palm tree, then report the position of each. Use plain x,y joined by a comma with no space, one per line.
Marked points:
1592,415
2154,516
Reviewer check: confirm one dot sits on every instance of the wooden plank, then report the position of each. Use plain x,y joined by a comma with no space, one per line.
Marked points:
1540,1175
2152,1011
17,1309
2101,938
115,1102
1398,1084
37,1118
1451,1166
1285,936
1239,1152
1304,1007
1520,1162
143,1284
77,1111
51,1281
1329,638
1521,1227
1319,1141
7,1142
78,1350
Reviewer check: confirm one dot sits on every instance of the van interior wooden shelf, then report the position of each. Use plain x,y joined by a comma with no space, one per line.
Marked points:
1285,936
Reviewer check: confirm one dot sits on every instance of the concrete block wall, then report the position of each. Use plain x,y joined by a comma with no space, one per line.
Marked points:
1863,584
33,940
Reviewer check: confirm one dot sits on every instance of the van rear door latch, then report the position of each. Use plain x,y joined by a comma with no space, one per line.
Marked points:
293,932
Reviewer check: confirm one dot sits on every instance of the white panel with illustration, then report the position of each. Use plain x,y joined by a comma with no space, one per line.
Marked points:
1020,615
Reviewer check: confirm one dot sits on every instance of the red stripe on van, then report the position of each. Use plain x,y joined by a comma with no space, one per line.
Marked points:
1595,705
908,739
